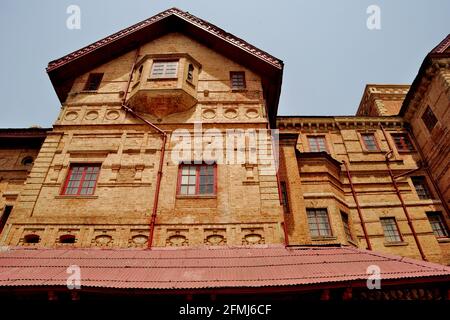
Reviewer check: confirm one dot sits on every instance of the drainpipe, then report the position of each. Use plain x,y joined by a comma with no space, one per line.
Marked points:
399,195
358,208
162,152
283,223
428,171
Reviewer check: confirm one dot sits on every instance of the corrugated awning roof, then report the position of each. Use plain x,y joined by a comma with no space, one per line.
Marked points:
201,268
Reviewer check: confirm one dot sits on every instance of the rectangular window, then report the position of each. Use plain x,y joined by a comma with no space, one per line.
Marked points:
284,197
346,224
237,80
370,144
4,217
164,69
421,187
402,142
390,228
429,119
437,224
93,82
319,224
197,179
82,179
317,144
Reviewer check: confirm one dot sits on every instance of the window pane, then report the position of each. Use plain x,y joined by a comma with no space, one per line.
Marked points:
390,229
164,69
82,180
437,224
318,222
421,187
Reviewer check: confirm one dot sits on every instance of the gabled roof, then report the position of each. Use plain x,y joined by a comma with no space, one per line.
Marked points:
211,268
63,70
442,50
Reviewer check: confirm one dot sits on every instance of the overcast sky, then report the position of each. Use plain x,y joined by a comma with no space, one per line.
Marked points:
328,51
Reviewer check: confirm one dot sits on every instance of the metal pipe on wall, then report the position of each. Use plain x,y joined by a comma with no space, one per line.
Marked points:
162,152
358,208
399,195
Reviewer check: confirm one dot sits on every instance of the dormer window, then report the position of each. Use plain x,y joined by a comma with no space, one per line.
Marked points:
93,82
237,80
164,69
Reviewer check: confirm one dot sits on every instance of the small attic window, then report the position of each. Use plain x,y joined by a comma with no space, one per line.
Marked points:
93,82
237,80
164,69
31,238
28,160
67,238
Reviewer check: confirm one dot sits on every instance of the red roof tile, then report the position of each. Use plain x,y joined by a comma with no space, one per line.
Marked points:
195,268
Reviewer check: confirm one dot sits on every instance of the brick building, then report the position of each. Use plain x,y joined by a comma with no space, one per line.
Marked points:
166,139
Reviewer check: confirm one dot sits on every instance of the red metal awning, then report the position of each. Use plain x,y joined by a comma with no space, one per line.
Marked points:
207,268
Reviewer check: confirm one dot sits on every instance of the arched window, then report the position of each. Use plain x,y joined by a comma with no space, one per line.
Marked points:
31,238
67,238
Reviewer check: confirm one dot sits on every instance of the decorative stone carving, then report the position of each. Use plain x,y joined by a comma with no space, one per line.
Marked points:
177,238
253,236
112,114
230,113
252,113
103,238
209,113
215,237
71,115
91,115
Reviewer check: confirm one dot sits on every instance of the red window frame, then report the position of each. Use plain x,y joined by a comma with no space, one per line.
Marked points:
315,211
315,143
436,218
197,179
375,142
421,186
404,144
82,179
397,230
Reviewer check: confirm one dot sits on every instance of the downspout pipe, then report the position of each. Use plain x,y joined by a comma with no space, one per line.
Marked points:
387,157
162,152
358,207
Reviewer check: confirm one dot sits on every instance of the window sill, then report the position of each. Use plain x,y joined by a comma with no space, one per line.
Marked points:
162,79
324,238
395,244
197,196
189,82
239,90
63,196
88,91
443,240
374,151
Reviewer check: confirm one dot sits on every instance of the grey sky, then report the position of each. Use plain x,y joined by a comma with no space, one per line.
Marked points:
329,53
